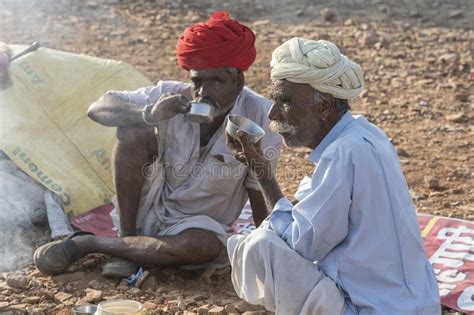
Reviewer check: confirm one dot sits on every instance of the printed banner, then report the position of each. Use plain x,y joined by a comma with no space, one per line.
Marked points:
449,244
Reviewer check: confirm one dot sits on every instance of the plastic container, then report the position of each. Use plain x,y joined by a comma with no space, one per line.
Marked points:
120,307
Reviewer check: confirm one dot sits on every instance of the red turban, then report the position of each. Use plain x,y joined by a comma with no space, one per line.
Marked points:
220,42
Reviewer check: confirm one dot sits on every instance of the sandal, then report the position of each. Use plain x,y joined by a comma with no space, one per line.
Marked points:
56,257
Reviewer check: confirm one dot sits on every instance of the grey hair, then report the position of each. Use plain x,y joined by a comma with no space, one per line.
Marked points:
341,105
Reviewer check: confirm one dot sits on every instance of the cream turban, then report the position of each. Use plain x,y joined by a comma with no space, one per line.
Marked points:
319,64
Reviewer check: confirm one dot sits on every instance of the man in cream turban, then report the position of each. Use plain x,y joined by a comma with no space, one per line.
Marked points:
350,242
178,186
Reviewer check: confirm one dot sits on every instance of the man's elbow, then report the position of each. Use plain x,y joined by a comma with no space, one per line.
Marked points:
92,112
96,110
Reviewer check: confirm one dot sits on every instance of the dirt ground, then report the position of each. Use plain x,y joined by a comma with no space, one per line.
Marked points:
417,60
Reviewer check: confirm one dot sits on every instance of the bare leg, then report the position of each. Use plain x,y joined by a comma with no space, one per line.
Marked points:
134,148
192,246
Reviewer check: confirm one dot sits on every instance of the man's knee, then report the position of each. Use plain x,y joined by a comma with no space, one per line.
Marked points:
134,145
199,246
260,240
133,134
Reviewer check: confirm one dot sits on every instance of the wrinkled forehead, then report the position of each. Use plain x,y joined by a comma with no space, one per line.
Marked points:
282,89
208,73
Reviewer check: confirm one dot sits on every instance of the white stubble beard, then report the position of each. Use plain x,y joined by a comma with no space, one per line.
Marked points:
284,127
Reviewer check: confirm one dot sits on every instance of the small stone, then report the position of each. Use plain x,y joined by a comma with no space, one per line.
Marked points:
149,306
230,309
92,5
35,273
174,308
227,301
349,22
243,307
3,304
69,277
88,263
328,15
206,276
462,97
457,118
62,296
432,182
18,308
370,39
204,309
449,57
261,22
384,41
364,26
162,290
402,152
457,191
94,284
384,9
17,281
47,294
455,14
423,103
218,310
134,291
92,295
32,299
414,13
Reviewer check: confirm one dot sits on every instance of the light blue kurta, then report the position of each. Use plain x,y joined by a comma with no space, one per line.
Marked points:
355,217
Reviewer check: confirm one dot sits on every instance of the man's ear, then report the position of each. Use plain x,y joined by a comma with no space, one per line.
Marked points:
327,107
240,80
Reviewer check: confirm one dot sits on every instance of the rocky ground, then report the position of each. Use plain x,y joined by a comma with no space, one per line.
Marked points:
417,59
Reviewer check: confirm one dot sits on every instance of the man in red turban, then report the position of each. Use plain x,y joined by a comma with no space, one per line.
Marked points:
178,186
220,42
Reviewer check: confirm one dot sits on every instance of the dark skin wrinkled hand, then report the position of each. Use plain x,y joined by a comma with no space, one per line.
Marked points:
247,153
252,155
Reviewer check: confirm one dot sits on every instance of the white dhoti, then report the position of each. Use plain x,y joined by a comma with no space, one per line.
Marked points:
266,271
193,186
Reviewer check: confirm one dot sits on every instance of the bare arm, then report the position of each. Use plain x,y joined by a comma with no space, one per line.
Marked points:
253,156
271,190
259,209
112,111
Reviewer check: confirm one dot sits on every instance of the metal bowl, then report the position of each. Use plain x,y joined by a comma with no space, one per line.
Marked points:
251,128
200,112
84,309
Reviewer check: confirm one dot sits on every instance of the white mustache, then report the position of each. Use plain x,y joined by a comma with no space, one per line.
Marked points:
282,127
